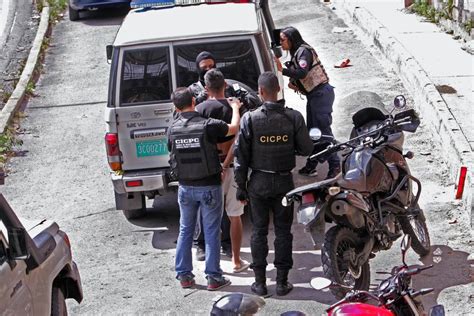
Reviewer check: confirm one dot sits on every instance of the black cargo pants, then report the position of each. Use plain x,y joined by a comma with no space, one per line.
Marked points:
265,193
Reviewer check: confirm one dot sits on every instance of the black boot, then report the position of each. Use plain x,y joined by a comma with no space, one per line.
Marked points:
283,286
259,287
333,172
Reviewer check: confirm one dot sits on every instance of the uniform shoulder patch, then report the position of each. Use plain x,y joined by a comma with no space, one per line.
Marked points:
303,63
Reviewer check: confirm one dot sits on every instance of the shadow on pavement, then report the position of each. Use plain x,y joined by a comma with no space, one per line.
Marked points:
450,268
163,221
103,17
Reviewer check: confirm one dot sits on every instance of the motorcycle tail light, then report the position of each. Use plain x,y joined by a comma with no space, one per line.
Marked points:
308,198
334,191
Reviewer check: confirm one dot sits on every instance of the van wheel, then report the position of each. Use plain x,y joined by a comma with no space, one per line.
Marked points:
136,213
73,14
58,302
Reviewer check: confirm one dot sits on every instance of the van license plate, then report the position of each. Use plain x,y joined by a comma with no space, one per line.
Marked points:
152,148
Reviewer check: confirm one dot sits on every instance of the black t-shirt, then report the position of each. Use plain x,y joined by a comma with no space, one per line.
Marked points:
217,109
215,129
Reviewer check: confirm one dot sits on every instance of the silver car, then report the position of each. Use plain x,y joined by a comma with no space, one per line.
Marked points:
37,272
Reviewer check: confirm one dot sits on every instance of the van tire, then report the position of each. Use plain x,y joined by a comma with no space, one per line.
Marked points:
73,14
58,302
136,213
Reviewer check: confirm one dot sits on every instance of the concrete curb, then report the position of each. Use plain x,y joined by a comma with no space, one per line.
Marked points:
456,150
18,94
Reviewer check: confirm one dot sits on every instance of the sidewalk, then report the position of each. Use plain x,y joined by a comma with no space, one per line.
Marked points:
425,58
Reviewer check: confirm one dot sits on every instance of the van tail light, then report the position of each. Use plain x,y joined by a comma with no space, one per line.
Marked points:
308,198
113,151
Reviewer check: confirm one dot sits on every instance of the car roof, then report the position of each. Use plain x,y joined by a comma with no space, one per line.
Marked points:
177,23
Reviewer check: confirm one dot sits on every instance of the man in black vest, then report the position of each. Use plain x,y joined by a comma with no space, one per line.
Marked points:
195,162
268,141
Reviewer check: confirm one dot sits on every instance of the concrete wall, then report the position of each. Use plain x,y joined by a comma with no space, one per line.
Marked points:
463,11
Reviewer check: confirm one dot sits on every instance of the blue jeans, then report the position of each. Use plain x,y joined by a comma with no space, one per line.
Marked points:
210,200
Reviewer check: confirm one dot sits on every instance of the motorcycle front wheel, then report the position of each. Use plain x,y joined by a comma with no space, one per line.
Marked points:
340,241
415,226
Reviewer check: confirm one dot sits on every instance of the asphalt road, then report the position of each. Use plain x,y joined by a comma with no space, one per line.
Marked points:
61,173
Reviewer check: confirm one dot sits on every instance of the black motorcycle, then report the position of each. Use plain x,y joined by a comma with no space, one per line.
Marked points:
370,202
393,297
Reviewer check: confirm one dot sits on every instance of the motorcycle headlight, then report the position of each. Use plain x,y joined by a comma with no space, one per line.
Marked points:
306,214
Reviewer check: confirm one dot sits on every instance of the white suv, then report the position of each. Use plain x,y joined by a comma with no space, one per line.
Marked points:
36,269
154,53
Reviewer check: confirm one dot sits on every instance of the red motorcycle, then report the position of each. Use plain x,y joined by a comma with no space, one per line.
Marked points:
394,296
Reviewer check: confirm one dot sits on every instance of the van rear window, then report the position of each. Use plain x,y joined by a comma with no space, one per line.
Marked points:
145,76
236,59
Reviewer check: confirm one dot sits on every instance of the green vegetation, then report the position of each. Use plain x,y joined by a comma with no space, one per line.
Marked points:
56,7
423,8
468,26
7,142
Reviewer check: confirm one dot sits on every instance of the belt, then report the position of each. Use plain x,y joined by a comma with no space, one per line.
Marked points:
280,173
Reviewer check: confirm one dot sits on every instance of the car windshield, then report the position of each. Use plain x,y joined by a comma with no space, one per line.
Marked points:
236,59
146,75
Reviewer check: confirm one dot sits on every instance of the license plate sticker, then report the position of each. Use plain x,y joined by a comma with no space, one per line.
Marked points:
152,148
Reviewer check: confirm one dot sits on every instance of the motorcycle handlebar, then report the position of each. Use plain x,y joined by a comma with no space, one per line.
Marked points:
390,122
417,270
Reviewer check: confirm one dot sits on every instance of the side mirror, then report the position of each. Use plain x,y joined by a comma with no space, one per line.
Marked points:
406,244
315,133
437,310
400,102
320,283
276,37
109,49
18,249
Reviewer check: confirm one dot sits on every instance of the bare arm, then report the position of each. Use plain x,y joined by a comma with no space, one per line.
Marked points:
234,124
230,156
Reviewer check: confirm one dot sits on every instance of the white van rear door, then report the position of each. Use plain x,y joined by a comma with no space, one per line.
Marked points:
144,110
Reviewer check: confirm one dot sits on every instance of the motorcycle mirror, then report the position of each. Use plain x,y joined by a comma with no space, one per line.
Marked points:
400,102
406,244
315,133
320,283
437,310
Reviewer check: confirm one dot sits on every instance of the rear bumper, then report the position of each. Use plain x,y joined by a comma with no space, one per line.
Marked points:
153,179
94,4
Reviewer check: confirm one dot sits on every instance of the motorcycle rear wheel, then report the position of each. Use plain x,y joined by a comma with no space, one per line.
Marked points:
415,226
339,239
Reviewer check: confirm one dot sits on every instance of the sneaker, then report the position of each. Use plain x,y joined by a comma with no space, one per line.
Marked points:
186,281
308,171
259,288
200,254
214,284
284,288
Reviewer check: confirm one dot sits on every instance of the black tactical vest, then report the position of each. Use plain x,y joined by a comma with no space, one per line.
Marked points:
316,75
273,141
193,156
